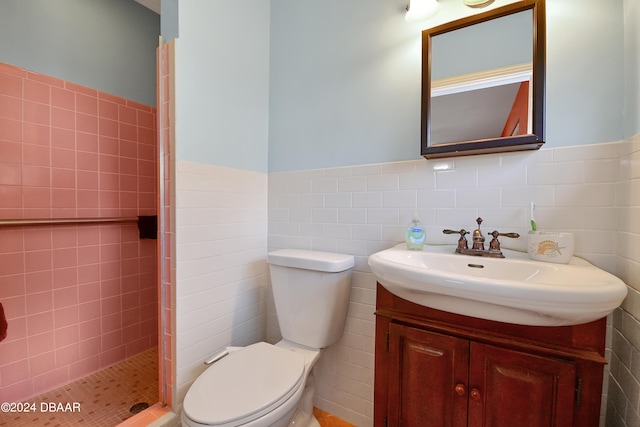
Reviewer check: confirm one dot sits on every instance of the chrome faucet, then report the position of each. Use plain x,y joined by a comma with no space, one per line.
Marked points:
477,249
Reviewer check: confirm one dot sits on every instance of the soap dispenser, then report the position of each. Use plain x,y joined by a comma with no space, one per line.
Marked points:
415,235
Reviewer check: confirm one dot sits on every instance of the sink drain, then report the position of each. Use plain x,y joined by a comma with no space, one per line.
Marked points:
139,407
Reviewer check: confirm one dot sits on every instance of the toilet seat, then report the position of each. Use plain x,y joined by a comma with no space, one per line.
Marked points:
244,385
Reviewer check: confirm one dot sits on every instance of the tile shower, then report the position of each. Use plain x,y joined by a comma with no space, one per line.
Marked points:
79,297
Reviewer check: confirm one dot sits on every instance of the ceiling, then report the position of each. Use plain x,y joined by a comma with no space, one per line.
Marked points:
151,4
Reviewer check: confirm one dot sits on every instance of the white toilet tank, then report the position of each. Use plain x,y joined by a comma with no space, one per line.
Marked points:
311,293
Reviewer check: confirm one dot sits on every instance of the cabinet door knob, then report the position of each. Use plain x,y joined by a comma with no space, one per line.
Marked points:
460,390
475,394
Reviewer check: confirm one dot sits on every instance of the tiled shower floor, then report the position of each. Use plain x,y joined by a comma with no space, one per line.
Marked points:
105,397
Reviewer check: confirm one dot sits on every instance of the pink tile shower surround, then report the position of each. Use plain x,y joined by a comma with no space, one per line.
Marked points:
78,298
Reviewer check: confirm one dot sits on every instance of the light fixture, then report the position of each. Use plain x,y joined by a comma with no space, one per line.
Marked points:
478,3
419,10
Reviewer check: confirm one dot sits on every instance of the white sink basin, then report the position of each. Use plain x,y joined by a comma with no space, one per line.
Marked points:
513,289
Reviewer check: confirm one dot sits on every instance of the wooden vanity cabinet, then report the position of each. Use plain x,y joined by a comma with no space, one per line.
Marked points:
438,369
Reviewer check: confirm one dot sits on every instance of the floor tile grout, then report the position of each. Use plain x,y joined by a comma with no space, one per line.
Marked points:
102,399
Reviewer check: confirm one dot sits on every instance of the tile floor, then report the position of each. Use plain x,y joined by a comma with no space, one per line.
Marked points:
104,398
327,420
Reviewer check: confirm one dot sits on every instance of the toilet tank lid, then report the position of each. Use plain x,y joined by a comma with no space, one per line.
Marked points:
311,260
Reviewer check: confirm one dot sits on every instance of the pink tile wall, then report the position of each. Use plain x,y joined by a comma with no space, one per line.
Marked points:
80,297
71,151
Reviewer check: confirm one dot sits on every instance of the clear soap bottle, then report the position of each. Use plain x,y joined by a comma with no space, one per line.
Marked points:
415,235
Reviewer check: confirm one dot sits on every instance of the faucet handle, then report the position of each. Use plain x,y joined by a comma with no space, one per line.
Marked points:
462,241
461,232
494,245
495,234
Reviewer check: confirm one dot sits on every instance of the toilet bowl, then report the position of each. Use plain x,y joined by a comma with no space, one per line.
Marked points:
258,385
266,385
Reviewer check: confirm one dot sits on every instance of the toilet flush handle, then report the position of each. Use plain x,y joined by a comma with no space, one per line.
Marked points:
227,350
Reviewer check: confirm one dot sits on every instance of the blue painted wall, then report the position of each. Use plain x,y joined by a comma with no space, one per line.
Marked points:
344,84
632,67
492,44
169,22
109,45
222,83
585,72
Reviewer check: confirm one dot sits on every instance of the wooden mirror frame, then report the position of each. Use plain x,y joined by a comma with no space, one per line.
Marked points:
531,141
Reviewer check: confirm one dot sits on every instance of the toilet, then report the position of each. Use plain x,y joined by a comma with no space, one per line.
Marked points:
272,385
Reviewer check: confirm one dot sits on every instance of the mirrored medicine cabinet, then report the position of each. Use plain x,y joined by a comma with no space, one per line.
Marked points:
483,82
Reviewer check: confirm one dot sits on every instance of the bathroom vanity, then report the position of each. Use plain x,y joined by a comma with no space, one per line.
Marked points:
438,369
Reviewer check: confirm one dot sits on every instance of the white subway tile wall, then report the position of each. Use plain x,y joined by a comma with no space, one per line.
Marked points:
221,233
593,191
623,403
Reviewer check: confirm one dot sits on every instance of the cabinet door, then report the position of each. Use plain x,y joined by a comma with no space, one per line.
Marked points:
509,388
428,375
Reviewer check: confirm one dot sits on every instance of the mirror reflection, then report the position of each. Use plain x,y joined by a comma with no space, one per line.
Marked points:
481,83
487,85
